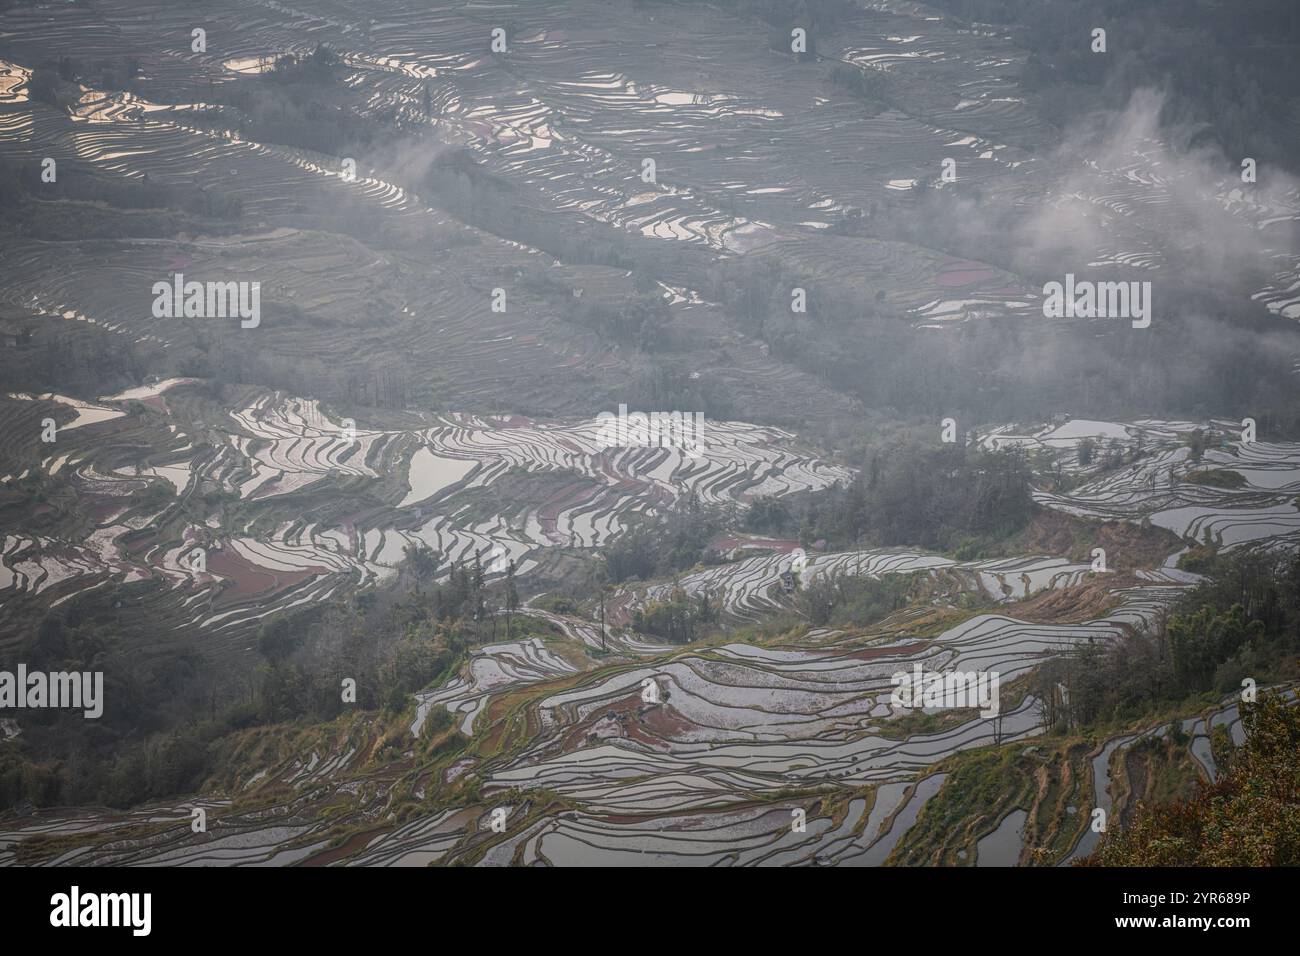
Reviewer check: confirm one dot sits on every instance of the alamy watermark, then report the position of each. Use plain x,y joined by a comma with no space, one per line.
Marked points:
684,430
208,300
76,909
62,689
959,689
1085,299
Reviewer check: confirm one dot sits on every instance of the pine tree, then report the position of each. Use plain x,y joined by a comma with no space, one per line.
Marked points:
512,596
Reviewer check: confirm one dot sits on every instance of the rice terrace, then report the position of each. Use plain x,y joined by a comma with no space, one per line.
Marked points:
649,433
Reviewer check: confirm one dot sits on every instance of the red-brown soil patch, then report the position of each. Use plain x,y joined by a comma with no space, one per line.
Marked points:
250,580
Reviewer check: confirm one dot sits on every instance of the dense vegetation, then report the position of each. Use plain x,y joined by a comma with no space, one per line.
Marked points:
1250,816
946,497
940,497
21,185
166,715
675,541
1242,622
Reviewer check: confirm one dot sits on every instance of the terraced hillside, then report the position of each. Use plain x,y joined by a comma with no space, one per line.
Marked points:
218,519
589,765
766,165
476,230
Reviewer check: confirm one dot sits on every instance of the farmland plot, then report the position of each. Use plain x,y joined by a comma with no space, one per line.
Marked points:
684,167
280,547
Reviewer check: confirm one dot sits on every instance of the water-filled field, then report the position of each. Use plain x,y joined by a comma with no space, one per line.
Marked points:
463,259
708,767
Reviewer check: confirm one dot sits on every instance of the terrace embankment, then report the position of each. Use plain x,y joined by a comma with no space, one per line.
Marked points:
1128,546
286,504
439,331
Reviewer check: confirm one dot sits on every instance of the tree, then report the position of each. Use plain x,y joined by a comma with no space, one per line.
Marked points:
423,562
512,596
1203,641
1249,817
